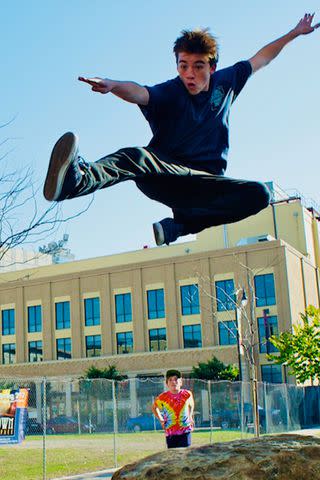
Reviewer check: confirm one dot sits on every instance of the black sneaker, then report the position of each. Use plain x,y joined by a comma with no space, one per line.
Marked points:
64,173
167,231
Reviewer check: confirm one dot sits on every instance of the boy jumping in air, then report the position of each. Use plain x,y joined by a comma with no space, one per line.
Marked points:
184,164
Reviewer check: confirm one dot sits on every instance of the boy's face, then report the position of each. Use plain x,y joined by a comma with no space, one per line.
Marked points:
194,70
174,384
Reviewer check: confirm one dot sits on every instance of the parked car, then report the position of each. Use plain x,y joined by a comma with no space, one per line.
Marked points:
64,424
231,418
143,422
225,418
274,416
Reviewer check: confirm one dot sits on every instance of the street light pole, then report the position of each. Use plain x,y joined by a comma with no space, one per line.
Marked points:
238,344
241,359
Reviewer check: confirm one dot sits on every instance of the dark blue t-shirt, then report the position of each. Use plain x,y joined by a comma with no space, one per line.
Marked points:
194,129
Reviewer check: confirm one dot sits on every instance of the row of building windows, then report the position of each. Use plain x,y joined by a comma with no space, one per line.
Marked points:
228,335
190,305
157,342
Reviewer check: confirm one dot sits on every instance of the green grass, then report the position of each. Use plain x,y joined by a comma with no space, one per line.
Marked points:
72,454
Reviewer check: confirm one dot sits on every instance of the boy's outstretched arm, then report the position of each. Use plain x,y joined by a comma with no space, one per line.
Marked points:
270,51
130,91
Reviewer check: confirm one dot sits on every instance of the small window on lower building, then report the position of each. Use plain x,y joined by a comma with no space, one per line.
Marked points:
35,318
35,351
8,353
62,315
8,322
155,300
228,333
91,311
63,348
123,307
93,345
190,304
225,295
271,373
192,336
125,342
267,326
265,290
157,339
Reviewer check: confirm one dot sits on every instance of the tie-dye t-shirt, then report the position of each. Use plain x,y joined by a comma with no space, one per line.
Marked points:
175,411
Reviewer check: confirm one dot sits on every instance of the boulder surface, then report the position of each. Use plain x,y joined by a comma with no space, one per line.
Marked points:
276,457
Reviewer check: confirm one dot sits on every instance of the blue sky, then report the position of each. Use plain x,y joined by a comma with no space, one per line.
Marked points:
274,127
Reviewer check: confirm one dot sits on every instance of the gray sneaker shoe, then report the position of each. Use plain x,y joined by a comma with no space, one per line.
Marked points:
64,173
158,233
167,231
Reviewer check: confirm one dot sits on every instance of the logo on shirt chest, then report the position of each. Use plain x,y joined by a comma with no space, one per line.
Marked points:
217,97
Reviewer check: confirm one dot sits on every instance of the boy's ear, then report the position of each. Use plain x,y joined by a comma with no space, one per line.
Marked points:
213,68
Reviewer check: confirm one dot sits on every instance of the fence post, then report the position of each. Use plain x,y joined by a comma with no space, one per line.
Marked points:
266,407
44,433
210,411
304,408
242,408
115,424
287,407
78,417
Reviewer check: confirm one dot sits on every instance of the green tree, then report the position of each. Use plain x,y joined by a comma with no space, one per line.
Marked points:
214,369
110,373
300,349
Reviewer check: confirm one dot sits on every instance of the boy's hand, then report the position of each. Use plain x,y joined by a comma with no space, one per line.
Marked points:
305,25
100,85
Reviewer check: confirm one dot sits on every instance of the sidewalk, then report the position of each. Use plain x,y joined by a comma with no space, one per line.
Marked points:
308,431
91,476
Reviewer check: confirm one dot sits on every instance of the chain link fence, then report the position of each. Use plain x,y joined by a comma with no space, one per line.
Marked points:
74,426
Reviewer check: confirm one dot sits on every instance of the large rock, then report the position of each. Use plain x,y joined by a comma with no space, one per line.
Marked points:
279,457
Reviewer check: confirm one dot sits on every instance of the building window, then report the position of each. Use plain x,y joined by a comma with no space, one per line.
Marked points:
63,348
62,315
124,342
190,299
271,373
192,336
123,308
8,323
267,326
35,351
225,295
228,333
157,339
92,311
265,291
156,303
8,353
93,345
34,319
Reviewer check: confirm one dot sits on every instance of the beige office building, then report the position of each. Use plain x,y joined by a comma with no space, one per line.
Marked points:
164,307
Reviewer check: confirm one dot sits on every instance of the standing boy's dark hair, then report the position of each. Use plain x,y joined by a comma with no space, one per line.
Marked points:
173,373
197,41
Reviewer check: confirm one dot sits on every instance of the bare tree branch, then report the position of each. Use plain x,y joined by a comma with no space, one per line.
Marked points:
21,219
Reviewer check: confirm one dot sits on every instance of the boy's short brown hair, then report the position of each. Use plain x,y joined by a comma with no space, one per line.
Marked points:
197,41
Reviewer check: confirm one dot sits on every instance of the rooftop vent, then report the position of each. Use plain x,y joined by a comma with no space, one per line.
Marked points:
257,239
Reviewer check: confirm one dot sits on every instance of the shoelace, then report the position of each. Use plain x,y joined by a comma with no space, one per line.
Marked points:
82,161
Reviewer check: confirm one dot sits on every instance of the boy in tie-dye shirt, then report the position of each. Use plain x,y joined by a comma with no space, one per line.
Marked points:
174,408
